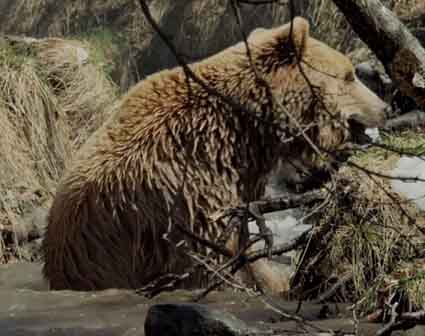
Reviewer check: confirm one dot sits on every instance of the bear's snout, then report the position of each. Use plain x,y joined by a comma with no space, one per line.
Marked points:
358,122
372,111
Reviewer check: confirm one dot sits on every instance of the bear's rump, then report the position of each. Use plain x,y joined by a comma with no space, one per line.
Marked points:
93,245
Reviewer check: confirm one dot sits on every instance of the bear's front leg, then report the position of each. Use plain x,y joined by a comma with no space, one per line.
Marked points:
270,276
264,273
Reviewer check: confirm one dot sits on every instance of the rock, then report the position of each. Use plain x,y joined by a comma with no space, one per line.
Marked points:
192,320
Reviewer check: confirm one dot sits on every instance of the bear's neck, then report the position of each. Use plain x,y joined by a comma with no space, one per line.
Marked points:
249,120
193,130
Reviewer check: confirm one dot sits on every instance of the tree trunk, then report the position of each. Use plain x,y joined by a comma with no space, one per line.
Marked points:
399,51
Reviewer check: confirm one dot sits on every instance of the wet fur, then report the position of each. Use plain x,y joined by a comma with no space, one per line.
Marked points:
176,155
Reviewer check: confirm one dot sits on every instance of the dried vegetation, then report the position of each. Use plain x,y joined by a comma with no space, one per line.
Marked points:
52,96
375,238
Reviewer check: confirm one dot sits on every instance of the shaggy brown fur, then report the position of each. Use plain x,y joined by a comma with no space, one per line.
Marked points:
175,154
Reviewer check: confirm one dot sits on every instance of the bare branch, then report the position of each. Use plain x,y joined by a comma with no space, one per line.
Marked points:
399,51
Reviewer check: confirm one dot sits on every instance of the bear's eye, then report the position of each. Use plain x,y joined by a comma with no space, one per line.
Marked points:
349,76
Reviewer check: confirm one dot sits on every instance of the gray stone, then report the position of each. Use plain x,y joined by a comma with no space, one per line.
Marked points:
192,320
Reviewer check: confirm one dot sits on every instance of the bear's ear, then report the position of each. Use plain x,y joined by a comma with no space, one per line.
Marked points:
297,31
257,31
293,34
301,32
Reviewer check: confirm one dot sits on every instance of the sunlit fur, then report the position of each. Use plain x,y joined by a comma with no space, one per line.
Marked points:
174,153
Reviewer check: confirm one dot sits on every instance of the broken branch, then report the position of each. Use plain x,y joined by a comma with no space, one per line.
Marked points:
399,51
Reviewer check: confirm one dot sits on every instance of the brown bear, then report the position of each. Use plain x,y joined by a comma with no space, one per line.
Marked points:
175,154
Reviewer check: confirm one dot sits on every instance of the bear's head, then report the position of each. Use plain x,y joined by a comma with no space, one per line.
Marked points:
317,97
314,84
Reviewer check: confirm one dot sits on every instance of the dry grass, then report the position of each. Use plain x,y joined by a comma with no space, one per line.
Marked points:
33,16
51,98
374,240
82,90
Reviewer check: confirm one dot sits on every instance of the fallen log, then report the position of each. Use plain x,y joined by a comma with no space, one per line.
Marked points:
395,46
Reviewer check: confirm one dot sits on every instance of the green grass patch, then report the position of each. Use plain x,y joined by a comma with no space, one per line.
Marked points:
14,56
104,46
408,142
